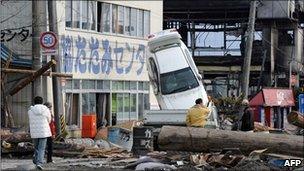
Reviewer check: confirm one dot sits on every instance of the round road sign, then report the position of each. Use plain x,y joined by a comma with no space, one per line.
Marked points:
48,40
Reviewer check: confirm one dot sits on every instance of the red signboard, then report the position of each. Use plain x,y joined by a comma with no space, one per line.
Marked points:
273,97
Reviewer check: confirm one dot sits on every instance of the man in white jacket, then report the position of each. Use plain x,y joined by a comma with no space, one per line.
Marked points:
39,119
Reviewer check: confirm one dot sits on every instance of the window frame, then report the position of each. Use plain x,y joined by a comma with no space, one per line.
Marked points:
145,28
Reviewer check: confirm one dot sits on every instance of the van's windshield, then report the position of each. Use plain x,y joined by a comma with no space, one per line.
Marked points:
178,81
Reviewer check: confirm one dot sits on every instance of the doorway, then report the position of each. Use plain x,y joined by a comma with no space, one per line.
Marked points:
72,109
103,109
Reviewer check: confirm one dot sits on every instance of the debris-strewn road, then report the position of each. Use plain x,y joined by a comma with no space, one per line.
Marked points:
62,164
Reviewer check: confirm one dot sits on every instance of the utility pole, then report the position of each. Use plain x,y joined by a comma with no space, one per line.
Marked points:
248,50
57,95
36,57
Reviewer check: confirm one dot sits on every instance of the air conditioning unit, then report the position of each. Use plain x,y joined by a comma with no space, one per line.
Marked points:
275,9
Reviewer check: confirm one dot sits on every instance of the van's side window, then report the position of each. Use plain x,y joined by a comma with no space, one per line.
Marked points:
154,72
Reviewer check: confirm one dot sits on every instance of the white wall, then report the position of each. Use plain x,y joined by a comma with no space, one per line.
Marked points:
132,50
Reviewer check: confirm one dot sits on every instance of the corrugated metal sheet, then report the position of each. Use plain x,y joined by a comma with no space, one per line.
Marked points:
5,53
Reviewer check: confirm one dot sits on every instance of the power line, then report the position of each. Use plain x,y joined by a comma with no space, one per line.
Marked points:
35,22
13,15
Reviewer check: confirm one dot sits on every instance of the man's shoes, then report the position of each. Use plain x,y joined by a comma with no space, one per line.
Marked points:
51,162
39,167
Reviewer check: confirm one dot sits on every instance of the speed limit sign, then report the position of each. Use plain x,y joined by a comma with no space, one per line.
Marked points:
48,41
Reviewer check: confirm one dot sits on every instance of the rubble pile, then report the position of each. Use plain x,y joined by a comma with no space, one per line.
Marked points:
227,159
197,152
15,141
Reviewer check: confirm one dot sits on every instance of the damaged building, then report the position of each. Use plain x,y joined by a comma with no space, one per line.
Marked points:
101,44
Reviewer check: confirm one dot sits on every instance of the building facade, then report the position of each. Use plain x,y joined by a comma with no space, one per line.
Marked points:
103,44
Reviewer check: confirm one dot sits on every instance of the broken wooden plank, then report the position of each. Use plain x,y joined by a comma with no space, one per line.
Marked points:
25,71
201,140
31,78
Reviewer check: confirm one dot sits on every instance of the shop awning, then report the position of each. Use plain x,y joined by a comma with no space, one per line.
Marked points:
273,97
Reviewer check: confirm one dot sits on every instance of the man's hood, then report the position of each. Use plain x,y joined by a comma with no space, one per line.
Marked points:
38,109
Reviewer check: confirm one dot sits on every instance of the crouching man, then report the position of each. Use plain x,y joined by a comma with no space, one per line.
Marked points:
197,115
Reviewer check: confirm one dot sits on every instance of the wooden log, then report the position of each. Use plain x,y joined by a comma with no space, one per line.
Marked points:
17,137
296,119
31,78
47,73
203,140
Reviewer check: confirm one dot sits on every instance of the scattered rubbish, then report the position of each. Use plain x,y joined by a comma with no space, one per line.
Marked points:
103,144
143,159
121,137
102,134
6,145
87,142
255,155
180,163
259,127
198,160
154,166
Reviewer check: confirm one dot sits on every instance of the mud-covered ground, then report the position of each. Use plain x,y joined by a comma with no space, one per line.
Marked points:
62,164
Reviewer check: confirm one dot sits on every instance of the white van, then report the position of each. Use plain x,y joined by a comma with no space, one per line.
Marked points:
175,79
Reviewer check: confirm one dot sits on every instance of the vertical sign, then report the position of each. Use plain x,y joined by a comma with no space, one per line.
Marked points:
301,103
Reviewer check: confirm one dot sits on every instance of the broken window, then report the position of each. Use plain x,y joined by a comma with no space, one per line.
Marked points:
106,17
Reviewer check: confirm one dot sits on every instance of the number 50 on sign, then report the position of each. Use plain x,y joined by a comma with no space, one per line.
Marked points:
48,42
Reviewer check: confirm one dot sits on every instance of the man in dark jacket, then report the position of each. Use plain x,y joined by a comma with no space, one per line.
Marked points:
247,118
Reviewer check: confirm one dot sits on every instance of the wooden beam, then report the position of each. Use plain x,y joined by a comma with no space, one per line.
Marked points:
31,78
174,138
47,73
